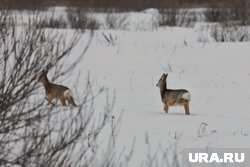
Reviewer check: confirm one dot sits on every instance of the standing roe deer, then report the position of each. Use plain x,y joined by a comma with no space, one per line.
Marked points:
54,91
177,97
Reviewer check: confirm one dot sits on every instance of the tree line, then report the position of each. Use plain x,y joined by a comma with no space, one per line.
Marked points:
118,4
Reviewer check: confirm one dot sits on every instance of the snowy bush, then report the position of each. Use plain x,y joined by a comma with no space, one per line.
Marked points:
229,33
53,22
79,19
177,17
116,21
169,18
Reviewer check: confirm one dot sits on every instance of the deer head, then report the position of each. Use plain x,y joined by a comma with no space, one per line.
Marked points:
43,77
162,81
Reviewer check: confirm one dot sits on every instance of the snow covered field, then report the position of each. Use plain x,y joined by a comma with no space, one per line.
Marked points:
216,74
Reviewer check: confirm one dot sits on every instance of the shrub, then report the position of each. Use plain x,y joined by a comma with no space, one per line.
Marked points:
169,17
116,21
217,14
177,17
78,19
32,133
53,22
187,19
229,33
236,11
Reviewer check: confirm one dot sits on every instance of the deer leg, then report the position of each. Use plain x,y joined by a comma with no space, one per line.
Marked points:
49,98
166,108
62,99
186,107
71,101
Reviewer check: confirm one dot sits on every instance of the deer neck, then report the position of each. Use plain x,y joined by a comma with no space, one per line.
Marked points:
46,83
163,89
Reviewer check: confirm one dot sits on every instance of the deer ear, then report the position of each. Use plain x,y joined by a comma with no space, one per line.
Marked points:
165,77
44,71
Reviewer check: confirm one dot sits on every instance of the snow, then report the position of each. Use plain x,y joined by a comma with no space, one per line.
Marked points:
216,74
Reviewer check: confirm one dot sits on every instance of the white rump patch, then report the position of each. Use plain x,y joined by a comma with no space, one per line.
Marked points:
186,96
67,93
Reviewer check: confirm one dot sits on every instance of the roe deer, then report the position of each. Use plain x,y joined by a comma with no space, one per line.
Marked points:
54,91
177,97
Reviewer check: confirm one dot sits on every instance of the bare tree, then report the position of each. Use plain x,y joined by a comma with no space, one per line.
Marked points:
31,132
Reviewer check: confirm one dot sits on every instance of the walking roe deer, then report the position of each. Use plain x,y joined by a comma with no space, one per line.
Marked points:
54,91
177,97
